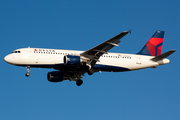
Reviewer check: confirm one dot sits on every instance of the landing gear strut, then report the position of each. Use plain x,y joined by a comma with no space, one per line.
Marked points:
79,82
28,69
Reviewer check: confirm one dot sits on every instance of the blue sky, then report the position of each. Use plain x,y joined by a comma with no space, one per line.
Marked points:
80,25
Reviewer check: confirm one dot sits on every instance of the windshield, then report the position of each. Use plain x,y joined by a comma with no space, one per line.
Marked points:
16,52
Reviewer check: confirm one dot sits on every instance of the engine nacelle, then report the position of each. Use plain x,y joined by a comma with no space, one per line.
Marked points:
73,60
55,76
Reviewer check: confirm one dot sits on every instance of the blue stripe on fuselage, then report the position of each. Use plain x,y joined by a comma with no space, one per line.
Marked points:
110,68
66,68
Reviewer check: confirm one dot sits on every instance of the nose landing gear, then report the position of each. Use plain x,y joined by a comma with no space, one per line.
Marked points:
28,69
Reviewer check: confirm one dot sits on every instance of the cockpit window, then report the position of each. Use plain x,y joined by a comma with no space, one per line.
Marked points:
16,52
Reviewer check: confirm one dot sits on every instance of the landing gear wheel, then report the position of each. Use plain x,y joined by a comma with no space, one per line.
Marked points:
79,82
27,74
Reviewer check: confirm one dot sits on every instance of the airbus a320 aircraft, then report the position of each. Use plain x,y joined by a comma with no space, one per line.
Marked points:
72,65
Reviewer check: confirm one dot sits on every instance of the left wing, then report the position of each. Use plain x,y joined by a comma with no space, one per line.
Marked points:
94,53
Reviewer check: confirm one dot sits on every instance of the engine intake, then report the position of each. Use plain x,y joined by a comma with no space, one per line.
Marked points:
73,60
55,76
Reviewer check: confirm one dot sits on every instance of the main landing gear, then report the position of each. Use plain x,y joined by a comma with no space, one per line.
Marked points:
79,82
28,69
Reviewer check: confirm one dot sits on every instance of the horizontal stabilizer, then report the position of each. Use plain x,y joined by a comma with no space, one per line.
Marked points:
163,56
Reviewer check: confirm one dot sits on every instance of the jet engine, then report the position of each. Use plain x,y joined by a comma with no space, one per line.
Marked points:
74,60
55,76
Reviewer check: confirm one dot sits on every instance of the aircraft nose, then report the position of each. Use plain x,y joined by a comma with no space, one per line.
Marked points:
8,58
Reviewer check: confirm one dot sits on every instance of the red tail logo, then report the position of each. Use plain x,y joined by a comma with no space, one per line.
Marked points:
154,46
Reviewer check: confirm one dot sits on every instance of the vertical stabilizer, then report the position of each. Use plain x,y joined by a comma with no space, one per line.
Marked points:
154,46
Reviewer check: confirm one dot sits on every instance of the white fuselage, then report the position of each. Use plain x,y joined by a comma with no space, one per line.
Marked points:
47,58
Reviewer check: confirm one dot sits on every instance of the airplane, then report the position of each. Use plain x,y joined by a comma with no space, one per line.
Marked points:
72,65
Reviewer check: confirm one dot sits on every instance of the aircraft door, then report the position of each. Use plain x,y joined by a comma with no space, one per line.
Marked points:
32,58
138,60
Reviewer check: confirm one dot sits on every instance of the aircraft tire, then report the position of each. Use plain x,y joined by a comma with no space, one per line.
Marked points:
79,82
91,71
27,74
